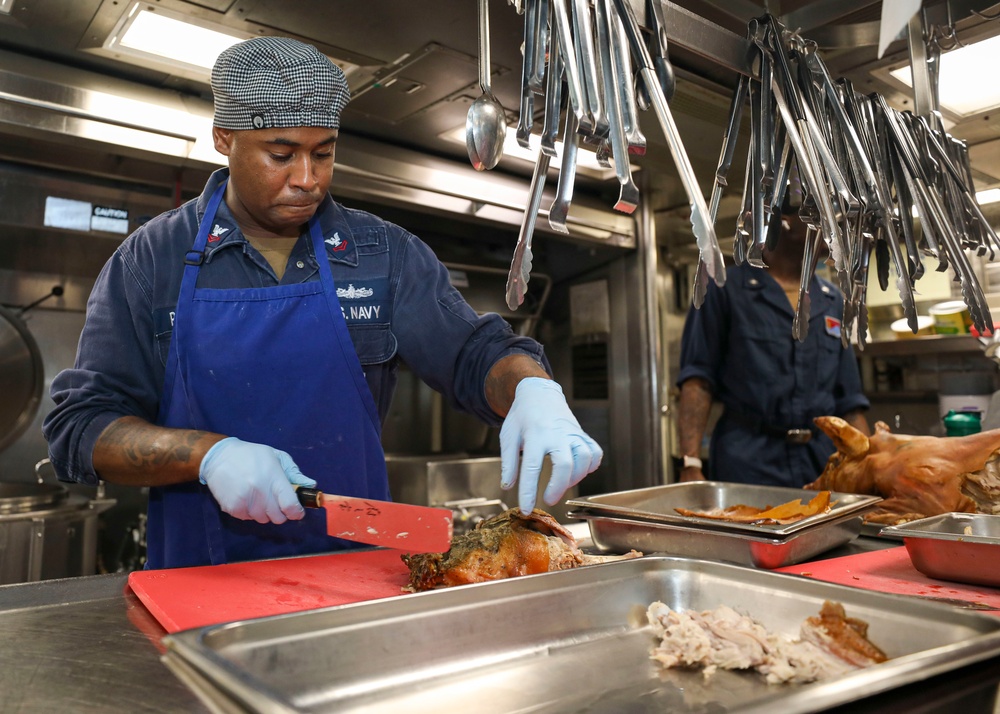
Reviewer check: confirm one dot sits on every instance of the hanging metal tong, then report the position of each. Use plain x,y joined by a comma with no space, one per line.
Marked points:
701,221
726,155
520,264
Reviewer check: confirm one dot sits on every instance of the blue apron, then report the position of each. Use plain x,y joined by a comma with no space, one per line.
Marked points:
274,366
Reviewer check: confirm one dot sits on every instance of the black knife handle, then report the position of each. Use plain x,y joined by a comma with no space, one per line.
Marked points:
309,497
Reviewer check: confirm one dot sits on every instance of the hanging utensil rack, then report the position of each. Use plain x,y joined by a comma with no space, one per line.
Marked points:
867,171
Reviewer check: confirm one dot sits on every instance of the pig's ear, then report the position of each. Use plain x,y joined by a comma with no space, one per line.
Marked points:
849,441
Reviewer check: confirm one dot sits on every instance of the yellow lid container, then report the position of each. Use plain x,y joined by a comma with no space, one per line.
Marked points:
951,318
901,330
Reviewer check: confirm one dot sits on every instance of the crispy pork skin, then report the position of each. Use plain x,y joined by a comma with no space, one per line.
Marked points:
846,637
829,645
504,546
918,476
790,512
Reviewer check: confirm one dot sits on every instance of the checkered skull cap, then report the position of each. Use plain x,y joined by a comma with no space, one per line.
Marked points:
277,82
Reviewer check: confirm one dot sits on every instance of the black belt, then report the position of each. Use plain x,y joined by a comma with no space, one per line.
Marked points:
757,425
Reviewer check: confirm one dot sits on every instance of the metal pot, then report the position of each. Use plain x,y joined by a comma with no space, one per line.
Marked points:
21,377
46,532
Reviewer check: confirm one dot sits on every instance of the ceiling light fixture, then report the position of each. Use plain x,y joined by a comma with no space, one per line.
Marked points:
586,161
178,43
181,41
6,6
990,195
962,86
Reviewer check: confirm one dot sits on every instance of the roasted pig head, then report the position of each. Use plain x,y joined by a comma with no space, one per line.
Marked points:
917,476
504,546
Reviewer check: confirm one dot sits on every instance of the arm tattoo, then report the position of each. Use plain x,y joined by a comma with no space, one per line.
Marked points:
139,451
131,450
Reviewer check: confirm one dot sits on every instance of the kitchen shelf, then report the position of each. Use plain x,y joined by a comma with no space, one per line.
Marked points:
903,395
933,344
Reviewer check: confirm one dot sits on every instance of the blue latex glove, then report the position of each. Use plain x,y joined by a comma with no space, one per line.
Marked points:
253,481
539,423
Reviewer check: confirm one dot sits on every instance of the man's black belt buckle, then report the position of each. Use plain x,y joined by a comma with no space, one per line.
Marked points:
759,425
798,436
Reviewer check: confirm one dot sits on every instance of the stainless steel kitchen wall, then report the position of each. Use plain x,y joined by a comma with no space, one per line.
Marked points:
50,149
35,257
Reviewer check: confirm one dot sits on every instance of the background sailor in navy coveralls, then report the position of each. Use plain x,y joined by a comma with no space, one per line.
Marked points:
248,341
738,349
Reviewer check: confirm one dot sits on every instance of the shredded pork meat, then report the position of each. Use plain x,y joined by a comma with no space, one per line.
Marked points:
723,638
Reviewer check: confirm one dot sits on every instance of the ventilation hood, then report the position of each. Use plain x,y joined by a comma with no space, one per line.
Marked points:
46,103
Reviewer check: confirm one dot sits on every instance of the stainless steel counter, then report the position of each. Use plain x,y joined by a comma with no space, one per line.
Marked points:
84,645
88,645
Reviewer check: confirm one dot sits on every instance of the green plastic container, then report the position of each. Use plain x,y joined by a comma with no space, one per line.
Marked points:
962,423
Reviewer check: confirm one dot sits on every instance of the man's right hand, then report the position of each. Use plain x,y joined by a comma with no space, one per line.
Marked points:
253,481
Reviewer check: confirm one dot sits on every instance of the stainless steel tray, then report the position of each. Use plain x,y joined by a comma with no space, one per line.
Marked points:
569,641
658,504
963,547
874,530
620,535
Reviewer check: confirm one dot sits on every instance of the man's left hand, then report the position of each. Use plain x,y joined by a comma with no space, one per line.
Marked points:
540,422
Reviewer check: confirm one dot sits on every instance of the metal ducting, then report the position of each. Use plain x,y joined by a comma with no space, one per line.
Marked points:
49,103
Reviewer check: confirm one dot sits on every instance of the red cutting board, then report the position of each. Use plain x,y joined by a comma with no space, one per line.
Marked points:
182,598
891,571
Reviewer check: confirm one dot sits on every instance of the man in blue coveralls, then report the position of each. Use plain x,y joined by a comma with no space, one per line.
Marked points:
248,341
738,349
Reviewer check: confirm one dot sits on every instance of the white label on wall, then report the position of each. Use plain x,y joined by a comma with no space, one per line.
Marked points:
67,213
112,220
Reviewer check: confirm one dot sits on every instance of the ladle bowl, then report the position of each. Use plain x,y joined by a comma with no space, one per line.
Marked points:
485,131
486,123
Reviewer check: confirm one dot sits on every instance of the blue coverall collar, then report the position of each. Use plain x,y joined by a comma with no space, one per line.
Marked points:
341,247
757,281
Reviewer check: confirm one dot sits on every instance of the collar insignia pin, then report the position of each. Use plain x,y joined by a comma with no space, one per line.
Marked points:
216,234
337,242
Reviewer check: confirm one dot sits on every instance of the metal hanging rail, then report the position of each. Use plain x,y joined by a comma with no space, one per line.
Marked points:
702,37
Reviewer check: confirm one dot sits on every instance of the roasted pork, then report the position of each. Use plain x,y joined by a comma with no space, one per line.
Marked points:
504,546
917,476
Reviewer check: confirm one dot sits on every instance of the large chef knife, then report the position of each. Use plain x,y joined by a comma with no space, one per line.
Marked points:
415,529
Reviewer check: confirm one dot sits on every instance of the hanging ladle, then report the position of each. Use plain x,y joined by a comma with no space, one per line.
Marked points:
486,123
